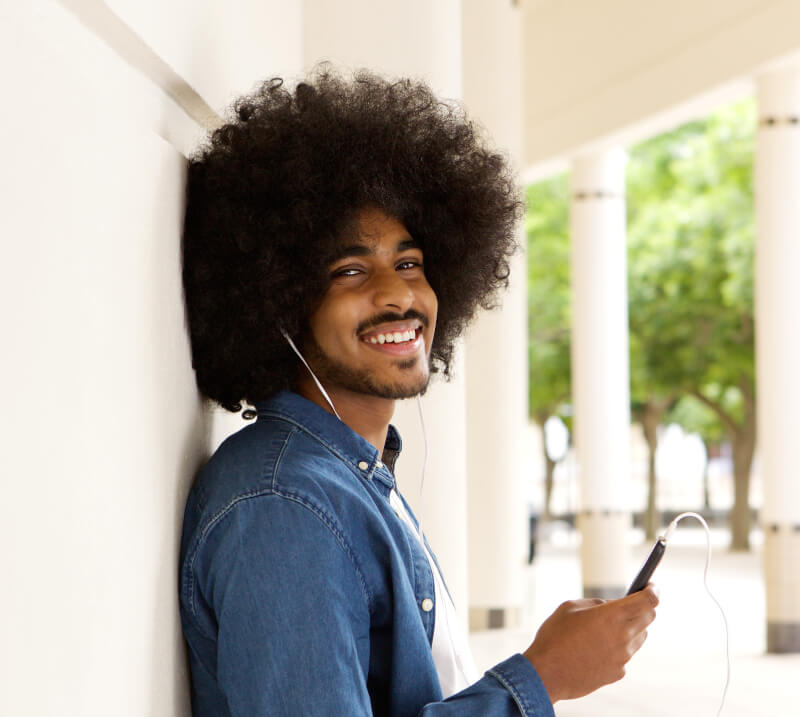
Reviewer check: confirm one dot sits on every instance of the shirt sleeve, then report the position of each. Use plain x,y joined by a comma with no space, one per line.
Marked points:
292,613
509,689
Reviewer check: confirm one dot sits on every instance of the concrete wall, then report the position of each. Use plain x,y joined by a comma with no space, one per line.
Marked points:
102,425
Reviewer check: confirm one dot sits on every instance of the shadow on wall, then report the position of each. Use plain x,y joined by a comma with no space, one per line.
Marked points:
181,432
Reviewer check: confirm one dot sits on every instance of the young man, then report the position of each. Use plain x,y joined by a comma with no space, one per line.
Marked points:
338,239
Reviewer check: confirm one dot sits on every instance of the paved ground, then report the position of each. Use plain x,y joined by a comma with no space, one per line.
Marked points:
681,668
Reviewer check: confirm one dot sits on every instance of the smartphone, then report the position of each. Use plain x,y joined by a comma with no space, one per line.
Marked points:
641,580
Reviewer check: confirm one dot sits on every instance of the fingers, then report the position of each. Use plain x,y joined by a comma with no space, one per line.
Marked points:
648,594
652,594
639,607
586,643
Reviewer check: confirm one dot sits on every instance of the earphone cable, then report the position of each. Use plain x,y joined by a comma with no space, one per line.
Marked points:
666,536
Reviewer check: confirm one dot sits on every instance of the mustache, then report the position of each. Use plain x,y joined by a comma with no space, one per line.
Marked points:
388,316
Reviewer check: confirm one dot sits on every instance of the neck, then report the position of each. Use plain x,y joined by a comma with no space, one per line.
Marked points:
367,415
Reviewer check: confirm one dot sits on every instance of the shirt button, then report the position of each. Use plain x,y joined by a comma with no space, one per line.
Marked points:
363,465
379,464
427,604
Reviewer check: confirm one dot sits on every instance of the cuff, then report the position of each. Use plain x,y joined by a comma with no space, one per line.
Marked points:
520,678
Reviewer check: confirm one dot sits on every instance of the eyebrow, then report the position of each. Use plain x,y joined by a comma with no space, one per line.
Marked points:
366,249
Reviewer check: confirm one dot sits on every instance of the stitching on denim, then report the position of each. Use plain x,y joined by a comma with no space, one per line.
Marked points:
279,459
212,523
409,542
318,512
330,446
222,511
339,453
340,537
522,703
404,533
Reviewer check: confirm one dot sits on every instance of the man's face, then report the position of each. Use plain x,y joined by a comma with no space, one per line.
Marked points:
373,331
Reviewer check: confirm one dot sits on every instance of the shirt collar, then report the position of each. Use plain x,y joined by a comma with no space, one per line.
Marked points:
336,435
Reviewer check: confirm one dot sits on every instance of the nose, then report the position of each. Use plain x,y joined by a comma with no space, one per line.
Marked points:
391,291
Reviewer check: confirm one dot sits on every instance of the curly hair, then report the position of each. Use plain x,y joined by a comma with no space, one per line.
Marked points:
272,189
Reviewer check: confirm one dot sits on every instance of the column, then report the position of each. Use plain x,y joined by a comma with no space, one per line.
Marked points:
777,296
416,38
496,346
600,374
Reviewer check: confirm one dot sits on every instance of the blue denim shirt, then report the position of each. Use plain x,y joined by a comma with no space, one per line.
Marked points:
301,589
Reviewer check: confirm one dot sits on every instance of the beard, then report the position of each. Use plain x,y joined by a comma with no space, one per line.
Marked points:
329,371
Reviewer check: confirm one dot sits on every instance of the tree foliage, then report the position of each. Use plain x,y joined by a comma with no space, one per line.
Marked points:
549,317
690,283
690,239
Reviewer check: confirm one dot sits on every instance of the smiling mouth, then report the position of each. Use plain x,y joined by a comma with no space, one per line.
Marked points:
401,338
392,337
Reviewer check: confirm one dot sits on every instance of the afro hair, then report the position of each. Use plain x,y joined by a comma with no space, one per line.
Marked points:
272,189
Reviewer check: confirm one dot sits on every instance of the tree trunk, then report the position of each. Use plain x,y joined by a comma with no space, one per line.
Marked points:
744,443
549,466
651,418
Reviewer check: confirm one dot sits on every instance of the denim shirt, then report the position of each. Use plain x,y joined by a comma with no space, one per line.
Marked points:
303,593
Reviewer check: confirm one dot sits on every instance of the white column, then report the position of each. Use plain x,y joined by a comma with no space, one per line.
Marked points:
416,38
778,348
600,375
496,347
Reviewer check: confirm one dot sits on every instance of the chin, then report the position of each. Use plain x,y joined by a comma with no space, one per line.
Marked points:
398,390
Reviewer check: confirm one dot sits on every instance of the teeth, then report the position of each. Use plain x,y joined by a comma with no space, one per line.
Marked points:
395,337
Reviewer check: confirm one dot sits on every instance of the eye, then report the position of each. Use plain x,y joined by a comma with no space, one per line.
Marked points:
407,264
345,272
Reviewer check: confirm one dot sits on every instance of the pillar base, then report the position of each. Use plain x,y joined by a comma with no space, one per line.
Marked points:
604,552
494,618
781,558
783,637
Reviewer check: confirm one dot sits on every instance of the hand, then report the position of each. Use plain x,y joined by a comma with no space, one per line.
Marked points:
585,644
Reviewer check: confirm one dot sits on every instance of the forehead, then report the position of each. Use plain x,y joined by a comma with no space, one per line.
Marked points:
372,231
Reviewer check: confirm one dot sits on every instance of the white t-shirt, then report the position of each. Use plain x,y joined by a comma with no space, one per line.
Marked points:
451,653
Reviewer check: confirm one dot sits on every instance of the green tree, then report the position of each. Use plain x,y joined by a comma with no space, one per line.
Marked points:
690,238
548,307
690,235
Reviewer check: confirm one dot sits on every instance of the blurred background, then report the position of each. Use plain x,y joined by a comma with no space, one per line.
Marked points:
643,361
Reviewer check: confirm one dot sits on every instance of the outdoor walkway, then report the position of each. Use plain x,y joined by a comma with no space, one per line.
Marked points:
680,670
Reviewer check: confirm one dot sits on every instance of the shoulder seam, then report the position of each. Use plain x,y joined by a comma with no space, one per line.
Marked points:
300,428
320,514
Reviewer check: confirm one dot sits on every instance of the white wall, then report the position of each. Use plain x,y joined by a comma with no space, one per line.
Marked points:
600,73
102,425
